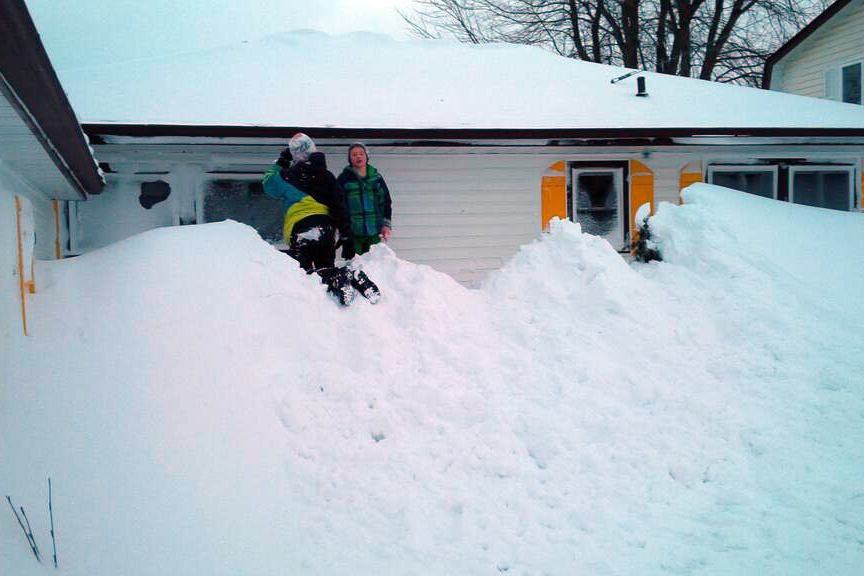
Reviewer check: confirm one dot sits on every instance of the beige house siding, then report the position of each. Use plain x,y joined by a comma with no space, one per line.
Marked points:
839,42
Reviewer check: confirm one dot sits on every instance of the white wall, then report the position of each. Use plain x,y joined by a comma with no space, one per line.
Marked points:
10,315
116,214
463,214
838,42
11,184
666,167
462,210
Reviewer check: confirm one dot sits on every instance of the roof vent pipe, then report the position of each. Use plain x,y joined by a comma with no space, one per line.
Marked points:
640,86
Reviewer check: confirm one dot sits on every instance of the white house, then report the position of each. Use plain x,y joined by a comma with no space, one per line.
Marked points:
45,164
825,59
480,145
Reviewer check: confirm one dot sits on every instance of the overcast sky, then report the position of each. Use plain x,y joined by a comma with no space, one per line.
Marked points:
81,33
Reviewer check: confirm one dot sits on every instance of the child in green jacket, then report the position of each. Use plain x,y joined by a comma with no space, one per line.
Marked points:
368,199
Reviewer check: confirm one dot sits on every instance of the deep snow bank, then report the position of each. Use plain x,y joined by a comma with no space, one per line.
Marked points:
202,406
813,251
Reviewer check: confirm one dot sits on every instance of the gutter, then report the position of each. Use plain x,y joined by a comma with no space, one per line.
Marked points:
30,84
102,133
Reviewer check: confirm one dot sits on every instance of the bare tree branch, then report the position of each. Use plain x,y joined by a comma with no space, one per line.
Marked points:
723,40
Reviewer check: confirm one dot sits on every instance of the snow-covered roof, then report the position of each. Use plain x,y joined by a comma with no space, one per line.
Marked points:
364,80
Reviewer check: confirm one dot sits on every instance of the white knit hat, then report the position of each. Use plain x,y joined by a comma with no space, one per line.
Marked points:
301,147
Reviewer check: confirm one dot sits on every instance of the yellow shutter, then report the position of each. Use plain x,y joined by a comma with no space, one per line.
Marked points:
641,190
689,174
553,194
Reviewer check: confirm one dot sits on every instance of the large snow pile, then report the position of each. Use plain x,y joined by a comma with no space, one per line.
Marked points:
203,407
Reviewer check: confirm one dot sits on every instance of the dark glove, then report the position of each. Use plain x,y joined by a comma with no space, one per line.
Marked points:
318,161
299,176
347,248
284,158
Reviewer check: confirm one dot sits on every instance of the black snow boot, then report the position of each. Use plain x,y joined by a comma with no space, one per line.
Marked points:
338,282
365,286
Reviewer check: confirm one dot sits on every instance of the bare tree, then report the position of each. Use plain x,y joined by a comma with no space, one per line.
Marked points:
723,40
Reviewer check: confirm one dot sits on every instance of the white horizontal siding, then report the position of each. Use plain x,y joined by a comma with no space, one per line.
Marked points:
666,167
116,214
838,42
23,153
667,184
463,211
10,310
13,184
463,214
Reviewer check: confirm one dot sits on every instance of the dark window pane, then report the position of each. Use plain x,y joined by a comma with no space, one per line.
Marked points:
153,192
852,83
758,183
244,202
597,203
822,189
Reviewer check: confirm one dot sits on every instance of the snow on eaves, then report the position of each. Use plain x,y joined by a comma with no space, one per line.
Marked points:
363,80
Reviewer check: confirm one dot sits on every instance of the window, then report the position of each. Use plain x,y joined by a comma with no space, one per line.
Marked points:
246,202
822,186
758,180
851,83
598,202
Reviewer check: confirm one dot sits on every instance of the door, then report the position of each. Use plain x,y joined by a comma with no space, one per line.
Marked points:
598,202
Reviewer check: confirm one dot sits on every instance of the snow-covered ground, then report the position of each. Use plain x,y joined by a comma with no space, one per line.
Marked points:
202,407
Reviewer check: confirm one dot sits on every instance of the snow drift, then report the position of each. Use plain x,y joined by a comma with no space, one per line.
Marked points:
202,406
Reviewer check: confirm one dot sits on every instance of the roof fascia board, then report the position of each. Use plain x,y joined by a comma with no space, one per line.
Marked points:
100,133
40,136
31,85
798,38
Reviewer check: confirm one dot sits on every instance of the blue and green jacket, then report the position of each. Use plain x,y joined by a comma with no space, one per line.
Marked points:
368,200
306,190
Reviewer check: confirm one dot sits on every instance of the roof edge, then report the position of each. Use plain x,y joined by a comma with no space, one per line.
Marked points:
798,38
98,131
32,86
